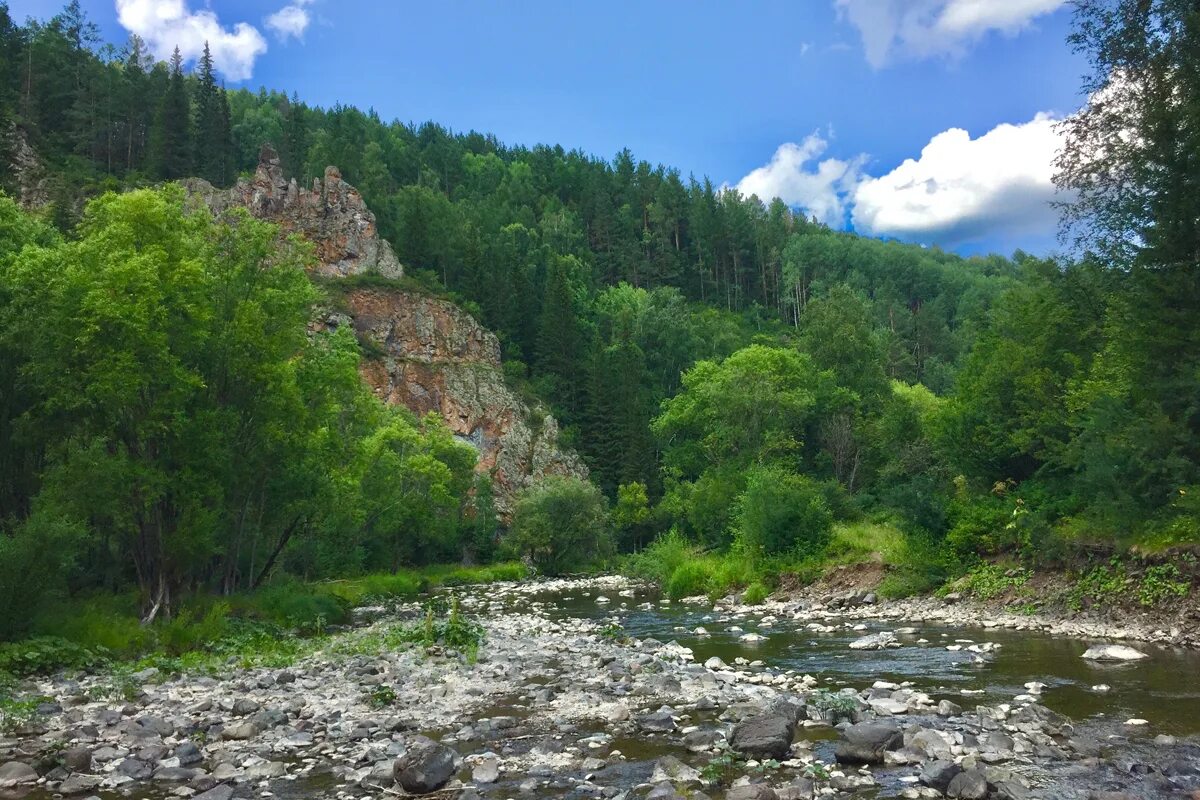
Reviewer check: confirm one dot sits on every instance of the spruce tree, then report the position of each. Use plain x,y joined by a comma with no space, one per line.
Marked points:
172,124
208,145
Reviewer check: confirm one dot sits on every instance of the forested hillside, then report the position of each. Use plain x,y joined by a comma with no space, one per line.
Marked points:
727,368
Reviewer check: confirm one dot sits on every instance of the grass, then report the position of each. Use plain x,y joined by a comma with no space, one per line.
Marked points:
684,570
272,627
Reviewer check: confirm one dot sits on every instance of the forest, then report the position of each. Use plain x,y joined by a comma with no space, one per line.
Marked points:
738,378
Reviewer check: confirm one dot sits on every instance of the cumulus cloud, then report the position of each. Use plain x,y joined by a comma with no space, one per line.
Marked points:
291,21
796,176
997,186
167,24
923,28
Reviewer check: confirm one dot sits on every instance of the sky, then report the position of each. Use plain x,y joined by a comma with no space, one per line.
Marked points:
930,121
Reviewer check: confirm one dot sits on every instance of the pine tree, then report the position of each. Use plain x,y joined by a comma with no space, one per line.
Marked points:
171,135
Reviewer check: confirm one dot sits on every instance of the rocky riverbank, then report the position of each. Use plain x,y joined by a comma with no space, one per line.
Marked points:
561,706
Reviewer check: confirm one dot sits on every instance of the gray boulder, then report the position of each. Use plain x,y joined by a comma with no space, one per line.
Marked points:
875,641
1113,652
764,736
938,774
425,767
970,785
866,742
14,774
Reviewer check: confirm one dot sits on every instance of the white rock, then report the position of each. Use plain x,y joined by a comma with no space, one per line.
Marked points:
1113,652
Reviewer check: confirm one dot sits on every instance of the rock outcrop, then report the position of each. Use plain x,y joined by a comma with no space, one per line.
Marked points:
433,355
331,215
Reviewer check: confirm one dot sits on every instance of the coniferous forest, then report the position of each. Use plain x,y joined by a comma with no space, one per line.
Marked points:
738,379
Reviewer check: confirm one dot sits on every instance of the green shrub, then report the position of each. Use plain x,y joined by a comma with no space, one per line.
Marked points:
988,581
781,512
299,606
43,655
755,593
689,579
662,557
1160,583
561,524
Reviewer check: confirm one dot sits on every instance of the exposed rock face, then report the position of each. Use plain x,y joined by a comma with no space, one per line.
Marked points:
436,357
28,171
331,215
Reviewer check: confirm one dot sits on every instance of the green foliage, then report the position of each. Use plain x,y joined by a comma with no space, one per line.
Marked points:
1160,584
43,655
988,581
835,706
561,524
382,697
755,594
779,512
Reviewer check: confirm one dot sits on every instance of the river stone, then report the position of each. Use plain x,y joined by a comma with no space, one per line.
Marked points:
670,768
14,773
1113,652
135,768
875,641
78,784
753,791
486,771
425,767
970,785
78,759
222,792
938,774
947,708
866,742
188,754
245,706
658,722
246,730
764,736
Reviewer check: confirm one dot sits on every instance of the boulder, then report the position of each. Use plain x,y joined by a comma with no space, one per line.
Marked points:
751,791
875,641
14,774
1113,652
78,759
670,768
425,767
970,785
764,736
79,784
486,771
866,742
938,774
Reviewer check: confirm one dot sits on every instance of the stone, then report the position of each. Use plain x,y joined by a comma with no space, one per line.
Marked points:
764,736
670,768
188,754
970,785
135,768
241,732
938,774
486,771
426,766
1113,652
752,791
245,706
658,722
15,773
222,792
866,742
875,641
946,708
79,784
78,759
265,770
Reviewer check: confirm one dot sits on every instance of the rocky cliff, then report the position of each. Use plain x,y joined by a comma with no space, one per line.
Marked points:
435,356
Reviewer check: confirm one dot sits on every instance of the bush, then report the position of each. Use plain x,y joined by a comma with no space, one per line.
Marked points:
43,655
662,557
296,605
688,580
780,512
32,562
561,524
755,593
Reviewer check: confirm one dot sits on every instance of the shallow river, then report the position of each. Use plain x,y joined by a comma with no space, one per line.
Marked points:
1163,689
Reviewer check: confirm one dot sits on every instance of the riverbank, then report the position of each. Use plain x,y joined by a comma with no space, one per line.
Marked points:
556,703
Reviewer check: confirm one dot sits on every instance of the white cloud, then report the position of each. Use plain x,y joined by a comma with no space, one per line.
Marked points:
998,186
291,21
796,177
167,24
923,28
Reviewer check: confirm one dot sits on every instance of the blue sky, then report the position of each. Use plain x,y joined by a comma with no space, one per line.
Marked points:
819,101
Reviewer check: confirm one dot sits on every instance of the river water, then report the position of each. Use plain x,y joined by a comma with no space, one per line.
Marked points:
1163,689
